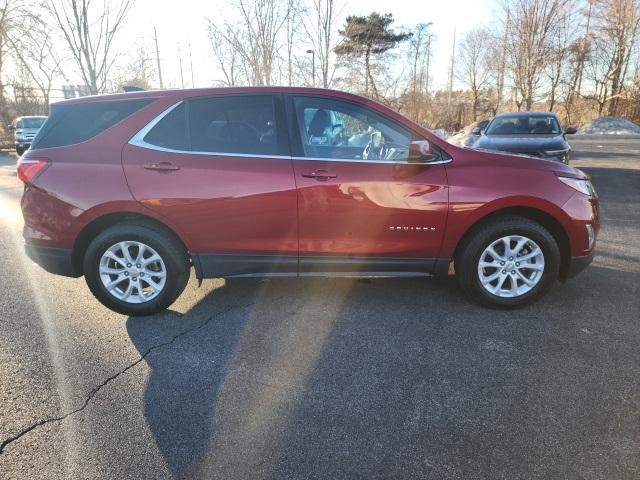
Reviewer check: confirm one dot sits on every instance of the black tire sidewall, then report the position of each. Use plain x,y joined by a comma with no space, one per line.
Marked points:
484,237
173,256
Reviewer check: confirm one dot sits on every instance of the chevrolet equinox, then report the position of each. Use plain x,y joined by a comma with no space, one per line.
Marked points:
132,190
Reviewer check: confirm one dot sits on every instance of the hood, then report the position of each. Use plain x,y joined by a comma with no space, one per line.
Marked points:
23,131
521,143
505,159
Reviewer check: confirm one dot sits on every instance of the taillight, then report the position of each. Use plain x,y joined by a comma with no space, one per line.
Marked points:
29,169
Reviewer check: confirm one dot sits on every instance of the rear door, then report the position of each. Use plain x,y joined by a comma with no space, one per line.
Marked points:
219,170
364,203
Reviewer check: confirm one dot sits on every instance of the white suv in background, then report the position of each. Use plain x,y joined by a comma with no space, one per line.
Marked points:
26,129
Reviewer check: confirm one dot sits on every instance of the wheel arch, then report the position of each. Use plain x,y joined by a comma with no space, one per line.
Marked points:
101,223
546,219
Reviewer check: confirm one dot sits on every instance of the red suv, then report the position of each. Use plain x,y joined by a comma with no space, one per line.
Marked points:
132,190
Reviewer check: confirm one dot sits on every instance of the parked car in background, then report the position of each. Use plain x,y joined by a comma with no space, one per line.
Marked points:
25,129
478,129
133,190
537,134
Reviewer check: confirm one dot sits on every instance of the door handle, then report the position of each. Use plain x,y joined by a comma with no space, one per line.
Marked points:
161,166
320,175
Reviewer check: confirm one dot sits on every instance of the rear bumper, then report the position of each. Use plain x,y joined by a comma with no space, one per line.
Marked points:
53,260
578,264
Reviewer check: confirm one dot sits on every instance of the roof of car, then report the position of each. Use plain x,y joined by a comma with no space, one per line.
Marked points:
30,116
525,114
188,92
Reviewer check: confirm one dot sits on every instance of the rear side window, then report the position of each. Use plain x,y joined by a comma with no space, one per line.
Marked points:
75,123
171,131
241,124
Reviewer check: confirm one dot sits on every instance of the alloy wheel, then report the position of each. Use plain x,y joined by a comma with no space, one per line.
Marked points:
132,272
511,266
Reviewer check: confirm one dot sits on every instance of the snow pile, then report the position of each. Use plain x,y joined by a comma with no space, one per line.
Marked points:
609,126
464,138
441,132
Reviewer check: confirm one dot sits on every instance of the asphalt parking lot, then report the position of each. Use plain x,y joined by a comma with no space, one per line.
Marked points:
329,378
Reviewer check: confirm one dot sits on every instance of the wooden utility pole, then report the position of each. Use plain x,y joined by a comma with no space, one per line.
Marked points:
155,36
180,62
193,83
453,56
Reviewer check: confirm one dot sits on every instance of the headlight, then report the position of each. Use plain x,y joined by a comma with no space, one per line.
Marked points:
555,153
583,186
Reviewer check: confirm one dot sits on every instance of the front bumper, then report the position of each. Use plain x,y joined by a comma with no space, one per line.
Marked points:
578,264
54,260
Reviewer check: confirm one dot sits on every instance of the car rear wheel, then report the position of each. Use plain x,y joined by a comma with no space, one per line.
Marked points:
508,263
136,269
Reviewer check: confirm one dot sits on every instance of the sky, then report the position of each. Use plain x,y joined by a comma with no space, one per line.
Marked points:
184,22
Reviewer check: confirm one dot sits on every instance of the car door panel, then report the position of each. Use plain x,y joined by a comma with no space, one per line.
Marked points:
228,203
352,204
376,209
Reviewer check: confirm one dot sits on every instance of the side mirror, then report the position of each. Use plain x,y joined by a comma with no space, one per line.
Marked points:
420,151
11,127
477,131
570,130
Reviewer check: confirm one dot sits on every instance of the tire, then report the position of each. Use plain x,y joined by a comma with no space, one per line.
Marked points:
530,284
20,151
174,263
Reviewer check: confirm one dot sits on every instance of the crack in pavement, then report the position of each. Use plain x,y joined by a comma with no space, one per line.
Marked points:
5,443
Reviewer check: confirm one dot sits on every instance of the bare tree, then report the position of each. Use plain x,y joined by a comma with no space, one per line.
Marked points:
89,29
12,14
559,55
419,49
254,38
420,44
319,24
474,65
35,52
532,26
616,36
223,42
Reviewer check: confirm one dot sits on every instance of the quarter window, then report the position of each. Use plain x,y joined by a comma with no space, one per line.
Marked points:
336,129
171,131
74,123
240,125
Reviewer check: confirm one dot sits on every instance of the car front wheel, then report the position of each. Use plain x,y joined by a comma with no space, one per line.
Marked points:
508,263
136,269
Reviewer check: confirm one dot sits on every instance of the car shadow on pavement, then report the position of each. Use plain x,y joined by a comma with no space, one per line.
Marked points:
327,378
217,392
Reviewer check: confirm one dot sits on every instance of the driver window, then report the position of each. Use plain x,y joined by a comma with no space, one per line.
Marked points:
336,129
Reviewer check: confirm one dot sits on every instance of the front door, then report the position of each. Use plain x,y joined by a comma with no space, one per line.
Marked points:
219,170
365,204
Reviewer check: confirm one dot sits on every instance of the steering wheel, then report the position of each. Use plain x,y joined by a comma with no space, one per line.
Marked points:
376,149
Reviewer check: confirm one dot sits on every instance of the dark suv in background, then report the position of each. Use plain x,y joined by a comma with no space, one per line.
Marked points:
133,190
537,134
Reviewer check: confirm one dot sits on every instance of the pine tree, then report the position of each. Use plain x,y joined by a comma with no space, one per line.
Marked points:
367,37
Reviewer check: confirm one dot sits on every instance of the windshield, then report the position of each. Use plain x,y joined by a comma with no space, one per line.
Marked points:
524,125
30,122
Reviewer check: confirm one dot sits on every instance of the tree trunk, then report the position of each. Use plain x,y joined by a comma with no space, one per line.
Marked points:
367,69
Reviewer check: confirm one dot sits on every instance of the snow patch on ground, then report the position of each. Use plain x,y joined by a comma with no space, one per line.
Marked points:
609,126
442,133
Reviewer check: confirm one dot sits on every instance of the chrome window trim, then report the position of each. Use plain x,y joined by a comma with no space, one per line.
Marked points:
138,141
